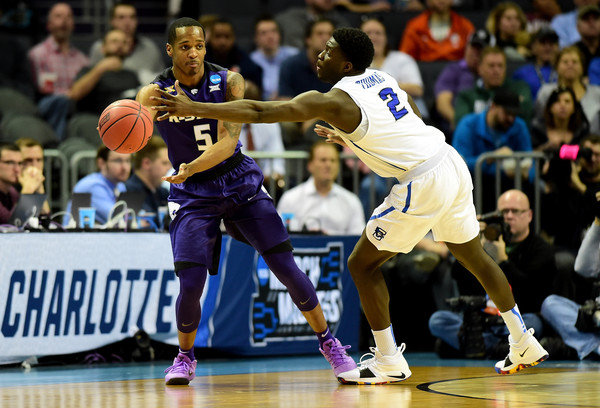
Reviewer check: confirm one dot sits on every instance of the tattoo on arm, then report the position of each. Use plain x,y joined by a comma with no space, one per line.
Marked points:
235,91
235,86
233,129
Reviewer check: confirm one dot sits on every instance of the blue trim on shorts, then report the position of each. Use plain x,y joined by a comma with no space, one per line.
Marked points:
389,210
408,196
404,210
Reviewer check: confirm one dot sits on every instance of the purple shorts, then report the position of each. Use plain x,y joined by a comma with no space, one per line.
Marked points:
238,198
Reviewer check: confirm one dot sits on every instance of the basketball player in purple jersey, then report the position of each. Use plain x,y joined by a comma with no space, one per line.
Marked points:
227,186
380,123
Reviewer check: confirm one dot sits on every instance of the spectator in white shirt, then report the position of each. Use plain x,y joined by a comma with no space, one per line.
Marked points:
319,204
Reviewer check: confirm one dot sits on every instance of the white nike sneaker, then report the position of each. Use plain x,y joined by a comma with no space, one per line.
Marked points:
526,353
379,369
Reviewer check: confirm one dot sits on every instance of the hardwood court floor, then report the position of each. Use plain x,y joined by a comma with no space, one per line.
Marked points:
300,381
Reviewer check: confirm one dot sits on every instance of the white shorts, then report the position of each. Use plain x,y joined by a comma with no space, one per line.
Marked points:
440,200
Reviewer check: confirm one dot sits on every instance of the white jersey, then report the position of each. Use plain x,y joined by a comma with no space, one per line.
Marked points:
391,138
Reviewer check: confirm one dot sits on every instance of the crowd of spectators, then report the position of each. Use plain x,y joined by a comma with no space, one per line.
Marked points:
523,79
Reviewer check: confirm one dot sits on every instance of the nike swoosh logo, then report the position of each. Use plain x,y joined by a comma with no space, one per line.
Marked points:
400,377
524,352
324,334
186,325
305,302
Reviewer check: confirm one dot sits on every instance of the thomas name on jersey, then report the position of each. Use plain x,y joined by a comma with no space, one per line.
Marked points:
370,81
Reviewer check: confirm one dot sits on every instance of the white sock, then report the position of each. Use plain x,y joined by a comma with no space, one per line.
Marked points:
514,322
385,341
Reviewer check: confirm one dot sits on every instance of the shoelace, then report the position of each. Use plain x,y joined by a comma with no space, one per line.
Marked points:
372,359
180,366
338,351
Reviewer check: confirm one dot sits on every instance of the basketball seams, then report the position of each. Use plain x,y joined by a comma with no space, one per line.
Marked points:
125,121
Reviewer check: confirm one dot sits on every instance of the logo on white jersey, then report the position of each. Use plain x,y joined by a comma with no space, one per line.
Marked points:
379,233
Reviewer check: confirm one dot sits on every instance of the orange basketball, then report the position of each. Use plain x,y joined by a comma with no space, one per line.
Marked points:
125,126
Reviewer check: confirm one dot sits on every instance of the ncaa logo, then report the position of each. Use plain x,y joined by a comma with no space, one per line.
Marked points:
379,233
215,79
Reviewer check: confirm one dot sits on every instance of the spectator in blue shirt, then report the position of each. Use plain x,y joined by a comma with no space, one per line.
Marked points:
544,48
498,130
269,54
107,183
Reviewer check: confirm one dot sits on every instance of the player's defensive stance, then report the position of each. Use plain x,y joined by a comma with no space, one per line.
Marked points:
379,122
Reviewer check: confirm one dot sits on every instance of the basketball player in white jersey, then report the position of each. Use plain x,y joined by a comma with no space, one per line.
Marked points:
380,123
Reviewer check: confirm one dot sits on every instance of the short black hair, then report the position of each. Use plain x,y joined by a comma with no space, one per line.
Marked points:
308,29
182,22
123,3
356,46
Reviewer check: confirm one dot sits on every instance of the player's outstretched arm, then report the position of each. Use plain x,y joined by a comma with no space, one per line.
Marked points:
334,107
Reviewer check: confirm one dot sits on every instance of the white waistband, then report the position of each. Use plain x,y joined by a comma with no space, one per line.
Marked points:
425,166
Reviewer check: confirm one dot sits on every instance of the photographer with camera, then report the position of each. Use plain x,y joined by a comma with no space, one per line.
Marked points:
579,325
528,262
571,175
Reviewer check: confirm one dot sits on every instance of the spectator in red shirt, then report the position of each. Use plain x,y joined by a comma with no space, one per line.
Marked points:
54,65
436,34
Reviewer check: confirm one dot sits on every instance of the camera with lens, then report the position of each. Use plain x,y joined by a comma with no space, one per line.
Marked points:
495,226
560,159
475,320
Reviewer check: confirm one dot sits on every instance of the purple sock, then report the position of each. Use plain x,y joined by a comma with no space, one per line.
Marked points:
189,353
324,336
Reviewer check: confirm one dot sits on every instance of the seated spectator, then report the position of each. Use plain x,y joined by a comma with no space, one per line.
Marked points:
269,54
294,20
526,259
319,204
33,156
588,26
569,188
456,77
298,74
569,67
222,49
143,56
54,65
542,13
149,166
565,24
498,130
544,48
11,176
436,34
562,313
508,25
107,81
107,183
398,64
492,72
564,122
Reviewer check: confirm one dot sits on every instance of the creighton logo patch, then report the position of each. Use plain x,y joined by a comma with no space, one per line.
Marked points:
379,233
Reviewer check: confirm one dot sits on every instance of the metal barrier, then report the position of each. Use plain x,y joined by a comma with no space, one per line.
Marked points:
536,157
76,162
51,156
295,163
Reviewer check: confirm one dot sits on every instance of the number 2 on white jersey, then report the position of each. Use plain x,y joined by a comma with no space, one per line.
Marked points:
203,139
391,99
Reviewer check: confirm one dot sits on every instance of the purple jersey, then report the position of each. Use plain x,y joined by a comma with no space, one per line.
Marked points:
192,135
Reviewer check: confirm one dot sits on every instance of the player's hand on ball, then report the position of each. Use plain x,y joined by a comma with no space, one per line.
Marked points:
329,134
173,105
181,175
